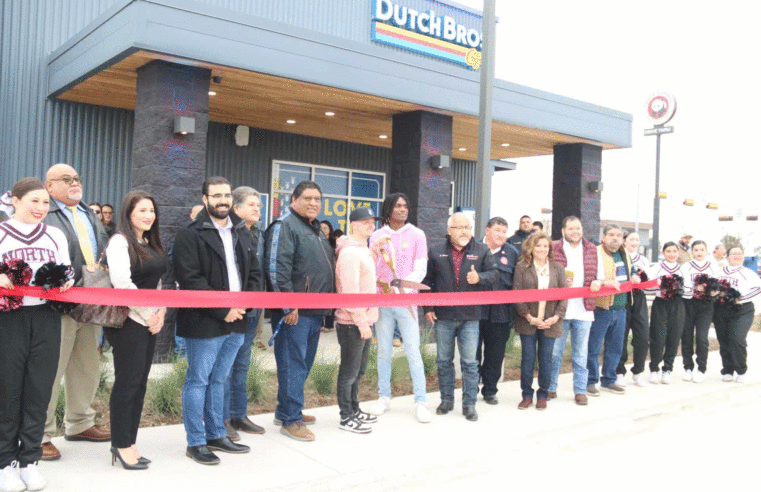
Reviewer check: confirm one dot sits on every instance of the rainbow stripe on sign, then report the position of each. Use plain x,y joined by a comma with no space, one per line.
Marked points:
427,45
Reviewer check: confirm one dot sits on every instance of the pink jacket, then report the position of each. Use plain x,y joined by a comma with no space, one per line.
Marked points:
355,274
409,251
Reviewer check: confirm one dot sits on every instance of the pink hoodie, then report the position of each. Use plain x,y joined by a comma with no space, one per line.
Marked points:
355,274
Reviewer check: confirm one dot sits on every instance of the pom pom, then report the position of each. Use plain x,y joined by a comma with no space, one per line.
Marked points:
708,285
728,296
671,286
19,274
642,278
52,275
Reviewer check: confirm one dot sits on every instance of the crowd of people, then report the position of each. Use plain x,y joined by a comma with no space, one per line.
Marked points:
223,249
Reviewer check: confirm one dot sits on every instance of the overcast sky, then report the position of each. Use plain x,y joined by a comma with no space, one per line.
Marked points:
616,54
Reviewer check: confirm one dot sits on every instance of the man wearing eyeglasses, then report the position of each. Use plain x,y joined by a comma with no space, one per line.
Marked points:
458,264
79,359
214,252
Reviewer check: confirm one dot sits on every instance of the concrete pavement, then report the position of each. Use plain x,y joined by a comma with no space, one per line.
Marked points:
685,435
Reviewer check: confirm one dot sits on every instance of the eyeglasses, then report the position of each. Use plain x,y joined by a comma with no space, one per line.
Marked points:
219,196
68,180
460,228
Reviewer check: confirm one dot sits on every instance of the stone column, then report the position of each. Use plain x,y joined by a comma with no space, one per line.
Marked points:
575,166
417,136
171,167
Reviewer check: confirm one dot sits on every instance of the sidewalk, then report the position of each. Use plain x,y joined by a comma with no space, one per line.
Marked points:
667,434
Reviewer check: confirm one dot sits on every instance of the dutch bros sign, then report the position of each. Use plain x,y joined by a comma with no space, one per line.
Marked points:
425,32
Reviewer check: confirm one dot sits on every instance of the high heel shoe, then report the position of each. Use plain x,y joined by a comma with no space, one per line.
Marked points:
115,454
142,460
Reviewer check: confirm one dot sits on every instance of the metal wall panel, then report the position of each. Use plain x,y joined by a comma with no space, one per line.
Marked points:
35,132
464,177
252,165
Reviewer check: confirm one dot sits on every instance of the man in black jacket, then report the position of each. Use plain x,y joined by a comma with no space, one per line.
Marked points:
495,323
215,252
525,229
298,258
79,362
458,264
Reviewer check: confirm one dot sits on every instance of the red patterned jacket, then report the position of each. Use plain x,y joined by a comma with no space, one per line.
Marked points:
590,265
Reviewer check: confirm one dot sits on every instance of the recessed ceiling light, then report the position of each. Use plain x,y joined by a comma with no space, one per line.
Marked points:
291,122
382,136
212,93
329,113
462,149
506,145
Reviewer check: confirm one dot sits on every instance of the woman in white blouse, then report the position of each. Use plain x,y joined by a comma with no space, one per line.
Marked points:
136,260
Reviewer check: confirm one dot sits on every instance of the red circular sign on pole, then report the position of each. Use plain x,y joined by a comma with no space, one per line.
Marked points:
661,107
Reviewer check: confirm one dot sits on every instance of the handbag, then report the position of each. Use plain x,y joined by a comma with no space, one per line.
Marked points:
96,276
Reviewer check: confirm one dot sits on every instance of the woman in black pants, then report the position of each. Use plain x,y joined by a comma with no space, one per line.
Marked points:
30,336
732,322
136,260
698,309
666,318
637,321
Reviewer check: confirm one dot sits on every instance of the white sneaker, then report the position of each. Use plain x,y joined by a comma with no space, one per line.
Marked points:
655,377
32,477
422,413
698,377
352,424
728,378
638,379
380,406
687,375
621,380
666,377
10,480
740,378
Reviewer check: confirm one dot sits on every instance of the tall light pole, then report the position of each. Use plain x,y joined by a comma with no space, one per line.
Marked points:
483,176
660,109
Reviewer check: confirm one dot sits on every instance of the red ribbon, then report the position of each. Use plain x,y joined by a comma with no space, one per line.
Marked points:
220,299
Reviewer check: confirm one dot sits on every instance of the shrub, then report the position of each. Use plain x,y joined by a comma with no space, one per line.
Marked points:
103,389
372,362
60,407
323,376
165,395
429,358
256,381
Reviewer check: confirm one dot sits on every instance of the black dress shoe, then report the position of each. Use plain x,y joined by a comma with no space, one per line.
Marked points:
245,425
202,454
445,407
491,399
226,445
144,461
470,412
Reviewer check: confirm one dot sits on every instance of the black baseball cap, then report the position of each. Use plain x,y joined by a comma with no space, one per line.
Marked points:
362,213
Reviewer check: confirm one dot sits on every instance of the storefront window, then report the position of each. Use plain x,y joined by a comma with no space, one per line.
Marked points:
339,188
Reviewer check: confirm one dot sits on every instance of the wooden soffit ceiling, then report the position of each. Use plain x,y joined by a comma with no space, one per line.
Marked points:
264,101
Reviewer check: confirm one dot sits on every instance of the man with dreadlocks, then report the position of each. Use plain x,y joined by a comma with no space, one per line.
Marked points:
402,253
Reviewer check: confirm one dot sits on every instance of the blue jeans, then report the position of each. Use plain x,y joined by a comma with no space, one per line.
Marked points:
579,344
236,401
209,363
466,333
533,346
389,319
295,349
609,326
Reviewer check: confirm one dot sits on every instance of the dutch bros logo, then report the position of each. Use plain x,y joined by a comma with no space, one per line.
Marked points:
440,36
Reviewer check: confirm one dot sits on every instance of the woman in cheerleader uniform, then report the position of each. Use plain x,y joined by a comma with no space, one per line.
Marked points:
698,307
30,335
666,316
733,321
636,319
